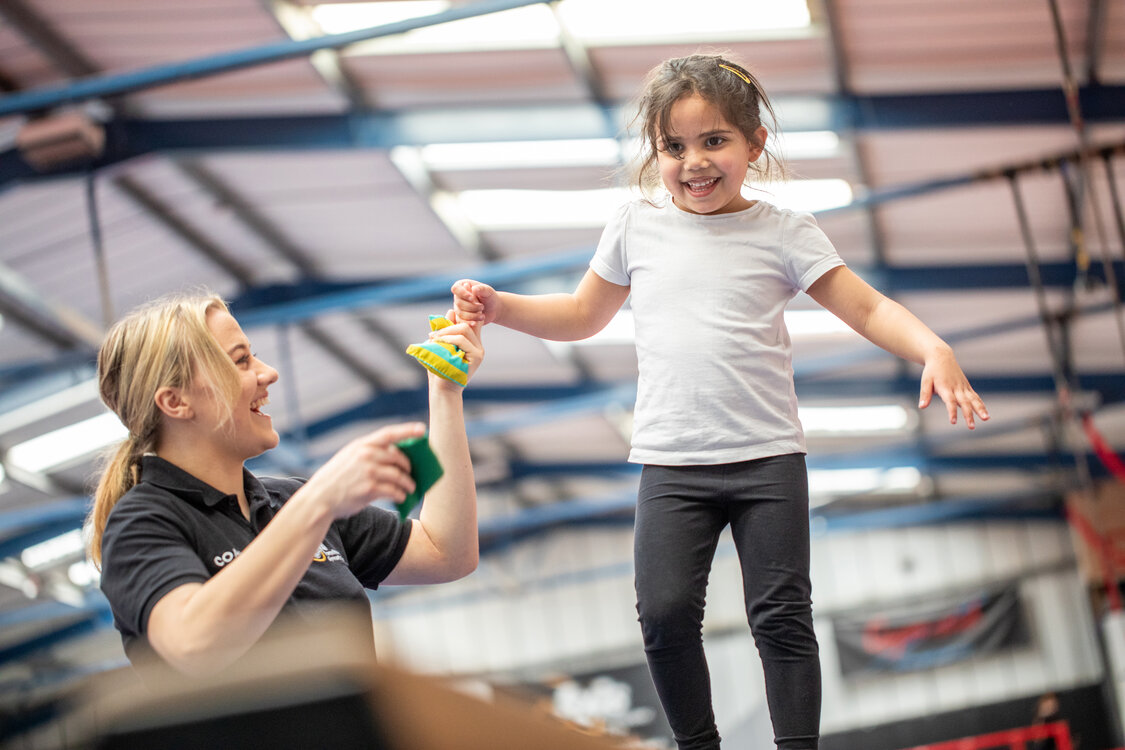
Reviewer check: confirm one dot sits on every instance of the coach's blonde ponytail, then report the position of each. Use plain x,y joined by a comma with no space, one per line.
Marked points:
165,343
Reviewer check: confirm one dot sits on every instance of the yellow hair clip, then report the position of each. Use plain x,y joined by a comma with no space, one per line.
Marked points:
737,72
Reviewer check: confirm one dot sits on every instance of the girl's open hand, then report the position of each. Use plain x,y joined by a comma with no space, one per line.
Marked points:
942,375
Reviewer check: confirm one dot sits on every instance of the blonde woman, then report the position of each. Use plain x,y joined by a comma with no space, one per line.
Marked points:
198,556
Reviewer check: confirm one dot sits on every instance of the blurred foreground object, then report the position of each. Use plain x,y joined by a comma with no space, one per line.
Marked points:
313,688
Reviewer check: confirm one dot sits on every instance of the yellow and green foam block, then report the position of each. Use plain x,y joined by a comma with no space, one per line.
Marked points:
446,360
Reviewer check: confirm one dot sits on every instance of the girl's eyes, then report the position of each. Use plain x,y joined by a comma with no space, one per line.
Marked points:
713,141
244,360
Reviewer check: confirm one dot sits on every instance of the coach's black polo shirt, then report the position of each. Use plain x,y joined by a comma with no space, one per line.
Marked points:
171,529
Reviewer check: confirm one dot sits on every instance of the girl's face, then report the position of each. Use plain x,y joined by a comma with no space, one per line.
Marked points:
704,161
249,432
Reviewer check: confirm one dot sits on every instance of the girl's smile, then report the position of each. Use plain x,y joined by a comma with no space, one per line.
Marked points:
704,159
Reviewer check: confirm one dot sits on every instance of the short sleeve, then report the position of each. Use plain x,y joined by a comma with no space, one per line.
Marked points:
809,254
610,260
145,554
374,541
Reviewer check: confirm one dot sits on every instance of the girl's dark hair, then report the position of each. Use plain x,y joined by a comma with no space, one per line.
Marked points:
726,85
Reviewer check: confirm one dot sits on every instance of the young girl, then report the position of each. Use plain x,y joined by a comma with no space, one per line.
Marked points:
715,423
175,508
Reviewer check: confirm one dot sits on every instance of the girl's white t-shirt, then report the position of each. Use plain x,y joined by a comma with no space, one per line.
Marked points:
708,294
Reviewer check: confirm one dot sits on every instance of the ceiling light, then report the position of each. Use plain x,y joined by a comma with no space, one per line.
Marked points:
553,209
804,195
828,484
599,22
810,323
541,209
48,406
58,448
589,152
592,22
854,419
529,27
339,18
52,550
83,574
807,144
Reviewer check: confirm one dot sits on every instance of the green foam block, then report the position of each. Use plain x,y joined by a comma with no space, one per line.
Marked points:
425,469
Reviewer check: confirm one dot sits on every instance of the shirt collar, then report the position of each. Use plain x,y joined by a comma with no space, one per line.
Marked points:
166,475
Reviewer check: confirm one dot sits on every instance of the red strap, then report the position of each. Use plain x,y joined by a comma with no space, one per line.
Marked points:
1102,450
1110,558
1010,739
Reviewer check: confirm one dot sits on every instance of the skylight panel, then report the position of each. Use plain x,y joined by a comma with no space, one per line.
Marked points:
540,209
551,209
591,22
528,27
60,447
588,152
622,21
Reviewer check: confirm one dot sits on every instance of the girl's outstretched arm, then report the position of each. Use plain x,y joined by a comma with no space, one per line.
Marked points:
558,317
891,326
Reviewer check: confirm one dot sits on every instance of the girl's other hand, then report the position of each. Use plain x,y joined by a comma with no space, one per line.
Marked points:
942,375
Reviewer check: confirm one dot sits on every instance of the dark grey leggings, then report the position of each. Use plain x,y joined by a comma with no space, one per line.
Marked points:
681,511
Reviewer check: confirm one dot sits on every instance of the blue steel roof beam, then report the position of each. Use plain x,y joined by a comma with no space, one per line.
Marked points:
310,298
297,21
102,86
88,621
500,533
61,52
1043,507
31,536
975,108
1109,387
47,610
130,138
1030,462
498,536
898,192
828,364
254,304
384,129
15,520
70,367
419,289
257,224
57,324
842,73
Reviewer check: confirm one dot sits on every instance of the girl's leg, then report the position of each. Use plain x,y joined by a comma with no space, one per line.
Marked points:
771,533
677,528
